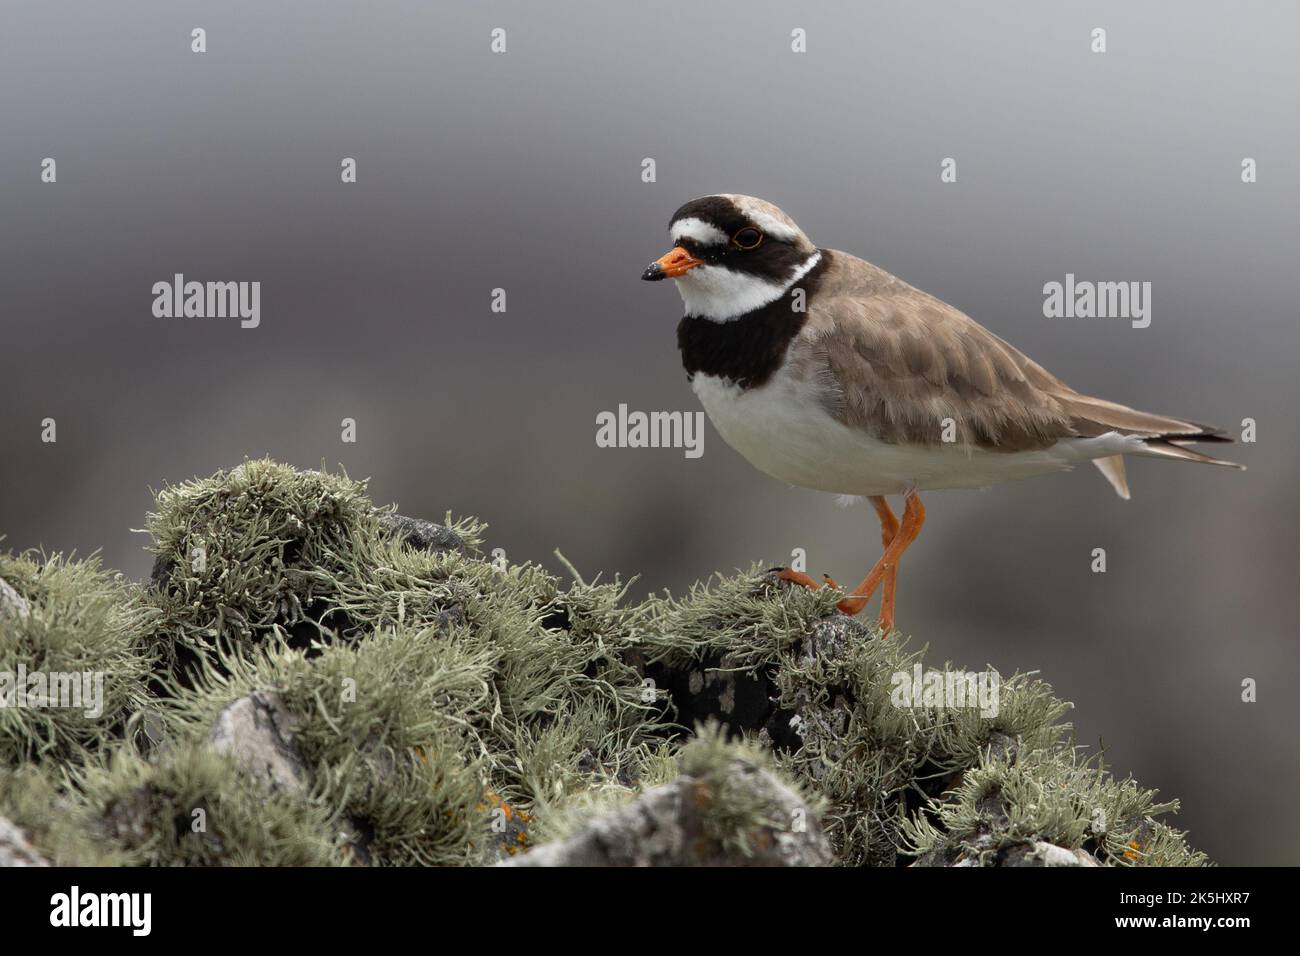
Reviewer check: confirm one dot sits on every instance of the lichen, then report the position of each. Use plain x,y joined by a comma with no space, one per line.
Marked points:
450,709
83,635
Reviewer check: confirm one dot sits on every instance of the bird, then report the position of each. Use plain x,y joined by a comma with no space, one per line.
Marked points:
827,372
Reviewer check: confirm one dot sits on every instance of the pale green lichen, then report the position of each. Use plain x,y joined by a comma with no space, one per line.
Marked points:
1053,795
735,814
191,807
82,644
436,695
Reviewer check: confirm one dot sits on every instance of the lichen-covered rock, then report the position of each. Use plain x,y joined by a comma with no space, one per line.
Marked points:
257,733
1038,807
724,810
510,829
984,851
76,642
14,848
260,551
373,729
1038,853
314,680
888,763
190,806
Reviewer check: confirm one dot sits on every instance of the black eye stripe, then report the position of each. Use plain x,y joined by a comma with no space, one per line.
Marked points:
747,238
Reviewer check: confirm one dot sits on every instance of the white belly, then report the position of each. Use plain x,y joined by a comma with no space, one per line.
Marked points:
782,430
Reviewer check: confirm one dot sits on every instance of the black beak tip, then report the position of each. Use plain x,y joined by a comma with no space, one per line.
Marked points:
653,272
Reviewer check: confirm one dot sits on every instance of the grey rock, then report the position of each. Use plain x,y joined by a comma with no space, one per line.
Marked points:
258,731
1029,853
668,826
14,848
948,855
13,604
1040,853
833,637
425,535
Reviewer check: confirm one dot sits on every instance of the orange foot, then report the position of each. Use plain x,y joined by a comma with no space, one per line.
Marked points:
803,580
896,537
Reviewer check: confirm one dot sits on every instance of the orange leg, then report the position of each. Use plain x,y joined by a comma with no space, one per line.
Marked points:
891,534
888,531
913,519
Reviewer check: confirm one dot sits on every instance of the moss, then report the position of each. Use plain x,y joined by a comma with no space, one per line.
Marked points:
84,633
382,729
304,560
53,817
403,731
260,549
834,722
567,708
450,710
192,807
737,816
1012,798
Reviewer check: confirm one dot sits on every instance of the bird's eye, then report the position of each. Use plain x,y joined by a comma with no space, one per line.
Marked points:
747,238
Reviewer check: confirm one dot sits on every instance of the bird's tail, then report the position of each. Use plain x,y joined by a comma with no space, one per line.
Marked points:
1174,448
1158,436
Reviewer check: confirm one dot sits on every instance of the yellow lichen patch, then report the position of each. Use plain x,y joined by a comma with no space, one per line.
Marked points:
514,837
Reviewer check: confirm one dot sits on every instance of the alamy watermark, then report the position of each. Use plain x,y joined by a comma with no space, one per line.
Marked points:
625,429
208,300
1081,299
76,690
946,690
133,911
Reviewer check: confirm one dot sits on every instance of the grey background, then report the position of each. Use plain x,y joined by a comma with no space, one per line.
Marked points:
523,171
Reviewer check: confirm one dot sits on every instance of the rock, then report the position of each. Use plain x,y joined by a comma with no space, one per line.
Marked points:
425,535
510,832
13,604
1029,853
1039,853
257,731
833,637
677,825
14,848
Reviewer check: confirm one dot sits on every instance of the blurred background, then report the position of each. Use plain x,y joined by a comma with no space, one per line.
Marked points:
523,171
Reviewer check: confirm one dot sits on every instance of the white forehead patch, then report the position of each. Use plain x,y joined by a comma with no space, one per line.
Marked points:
697,229
767,217
773,227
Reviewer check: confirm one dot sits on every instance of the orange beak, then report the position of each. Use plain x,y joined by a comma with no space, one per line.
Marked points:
671,265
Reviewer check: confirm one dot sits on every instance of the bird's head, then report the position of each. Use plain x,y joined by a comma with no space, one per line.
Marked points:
732,254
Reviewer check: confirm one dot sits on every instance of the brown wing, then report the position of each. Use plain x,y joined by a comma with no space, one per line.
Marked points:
895,362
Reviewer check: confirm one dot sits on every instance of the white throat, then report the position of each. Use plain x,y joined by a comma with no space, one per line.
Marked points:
721,294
